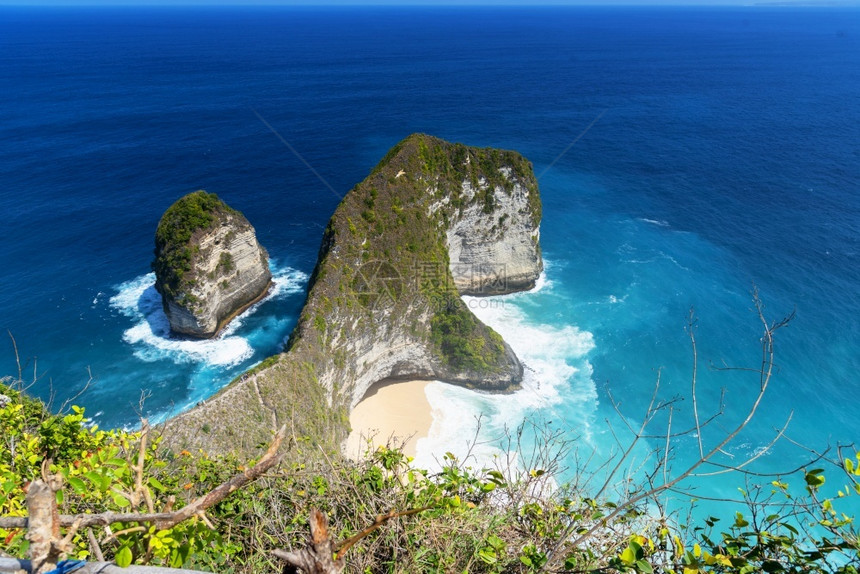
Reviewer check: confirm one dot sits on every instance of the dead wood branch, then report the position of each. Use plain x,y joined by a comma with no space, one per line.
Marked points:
322,555
318,556
378,521
42,507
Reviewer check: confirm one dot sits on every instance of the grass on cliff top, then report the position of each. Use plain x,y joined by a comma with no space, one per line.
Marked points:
197,211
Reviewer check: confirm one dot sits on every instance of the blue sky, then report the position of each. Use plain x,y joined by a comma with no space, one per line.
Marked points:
416,2
376,2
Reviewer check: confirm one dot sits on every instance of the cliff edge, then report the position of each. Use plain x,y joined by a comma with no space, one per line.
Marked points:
208,264
432,221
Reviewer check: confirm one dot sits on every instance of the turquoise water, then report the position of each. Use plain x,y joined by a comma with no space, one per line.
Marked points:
723,156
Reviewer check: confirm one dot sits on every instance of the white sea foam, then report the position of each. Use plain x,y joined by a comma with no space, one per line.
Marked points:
542,281
557,382
657,222
150,334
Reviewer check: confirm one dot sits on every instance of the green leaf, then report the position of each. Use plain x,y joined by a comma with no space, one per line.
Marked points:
99,480
644,566
628,556
119,499
488,556
154,483
497,477
123,557
77,484
814,478
179,556
772,566
496,542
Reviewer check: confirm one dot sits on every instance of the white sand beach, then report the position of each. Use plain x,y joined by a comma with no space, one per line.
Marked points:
390,413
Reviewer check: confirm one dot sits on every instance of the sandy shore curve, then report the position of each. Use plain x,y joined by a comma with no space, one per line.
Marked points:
392,413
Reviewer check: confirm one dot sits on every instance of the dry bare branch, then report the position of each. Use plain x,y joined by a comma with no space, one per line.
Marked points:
318,556
322,555
668,484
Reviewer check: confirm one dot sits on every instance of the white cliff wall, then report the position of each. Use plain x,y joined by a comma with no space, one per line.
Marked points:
231,271
497,252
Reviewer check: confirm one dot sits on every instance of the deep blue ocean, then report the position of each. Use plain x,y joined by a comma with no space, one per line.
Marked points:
723,154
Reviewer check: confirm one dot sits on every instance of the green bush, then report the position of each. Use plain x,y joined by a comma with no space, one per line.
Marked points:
97,467
461,519
462,340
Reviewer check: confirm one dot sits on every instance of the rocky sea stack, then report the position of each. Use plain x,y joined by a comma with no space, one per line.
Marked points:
208,264
433,221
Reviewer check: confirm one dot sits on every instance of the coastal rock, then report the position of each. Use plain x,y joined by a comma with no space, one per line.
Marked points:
432,221
208,265
494,244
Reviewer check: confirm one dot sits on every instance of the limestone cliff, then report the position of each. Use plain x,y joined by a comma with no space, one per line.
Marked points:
432,221
493,244
208,264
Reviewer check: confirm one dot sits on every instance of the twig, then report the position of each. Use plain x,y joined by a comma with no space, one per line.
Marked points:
75,397
94,545
221,491
691,326
321,555
765,374
17,357
377,522
114,535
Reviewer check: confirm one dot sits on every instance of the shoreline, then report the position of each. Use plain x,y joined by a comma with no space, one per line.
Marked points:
225,322
392,413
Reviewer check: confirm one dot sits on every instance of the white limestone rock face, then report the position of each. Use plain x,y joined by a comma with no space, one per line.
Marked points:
216,273
495,251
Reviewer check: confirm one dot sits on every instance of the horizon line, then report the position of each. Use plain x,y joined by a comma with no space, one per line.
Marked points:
431,3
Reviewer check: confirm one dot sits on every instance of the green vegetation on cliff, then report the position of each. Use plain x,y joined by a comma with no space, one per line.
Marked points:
477,520
399,216
197,211
464,341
